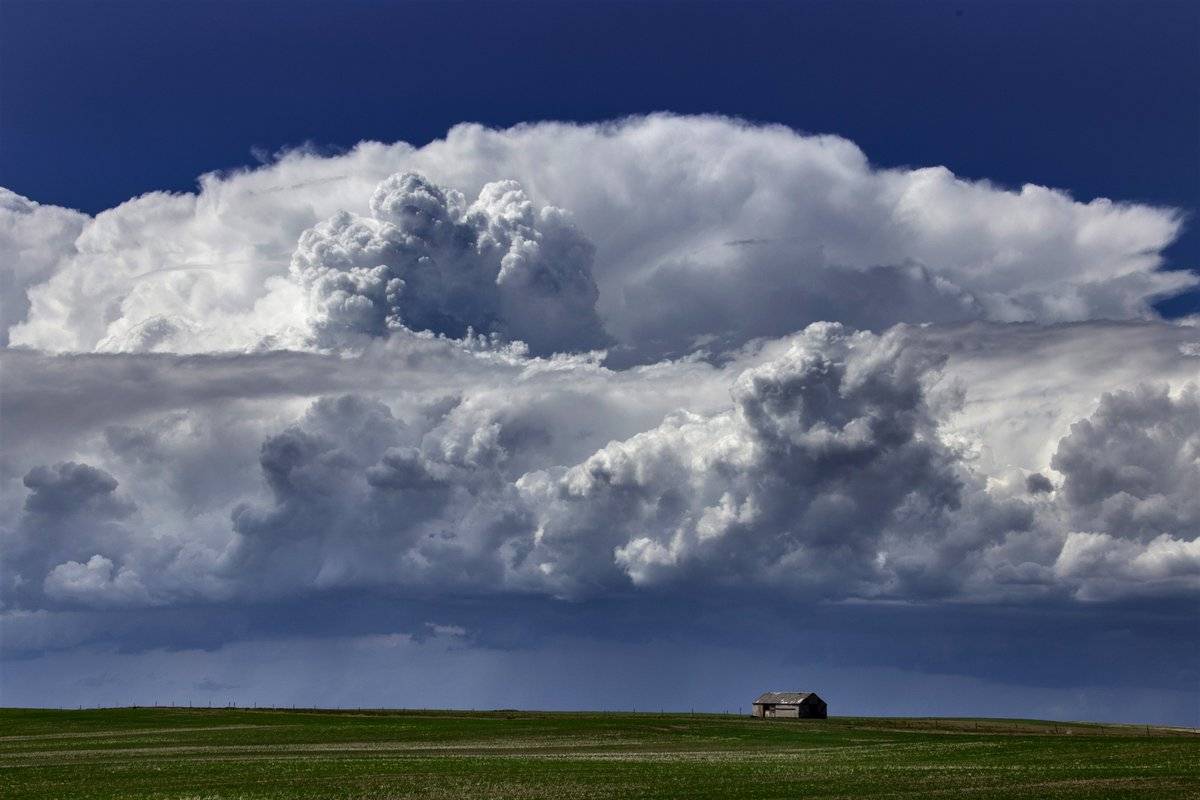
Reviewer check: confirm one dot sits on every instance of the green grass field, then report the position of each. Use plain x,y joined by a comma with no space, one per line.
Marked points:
203,753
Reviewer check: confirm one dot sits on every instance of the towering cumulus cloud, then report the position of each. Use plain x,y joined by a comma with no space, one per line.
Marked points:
829,450
519,375
425,260
33,240
1132,490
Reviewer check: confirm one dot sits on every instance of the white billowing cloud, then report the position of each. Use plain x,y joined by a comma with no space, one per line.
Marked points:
1131,492
75,516
829,464
829,448
1104,567
707,231
157,263
1023,386
1133,467
233,458
97,582
35,240
358,499
427,261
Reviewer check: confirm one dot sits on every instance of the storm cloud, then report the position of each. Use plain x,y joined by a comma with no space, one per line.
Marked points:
531,373
828,464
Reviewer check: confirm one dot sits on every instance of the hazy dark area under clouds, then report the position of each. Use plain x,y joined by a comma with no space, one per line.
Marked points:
593,411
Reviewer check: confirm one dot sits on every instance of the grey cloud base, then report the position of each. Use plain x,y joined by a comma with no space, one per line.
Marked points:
710,653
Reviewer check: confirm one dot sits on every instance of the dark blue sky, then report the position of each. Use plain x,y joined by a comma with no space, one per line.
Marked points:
105,100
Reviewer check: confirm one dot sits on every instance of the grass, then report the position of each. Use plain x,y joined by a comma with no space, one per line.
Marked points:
203,754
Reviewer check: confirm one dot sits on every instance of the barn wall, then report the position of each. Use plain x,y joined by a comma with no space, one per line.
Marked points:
811,708
813,711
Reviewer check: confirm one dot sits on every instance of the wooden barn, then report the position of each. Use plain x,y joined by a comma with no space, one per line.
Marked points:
790,705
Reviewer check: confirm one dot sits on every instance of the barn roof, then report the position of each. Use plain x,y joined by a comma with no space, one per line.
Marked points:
784,697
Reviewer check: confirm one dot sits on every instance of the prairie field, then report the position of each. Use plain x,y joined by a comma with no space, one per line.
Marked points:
205,754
